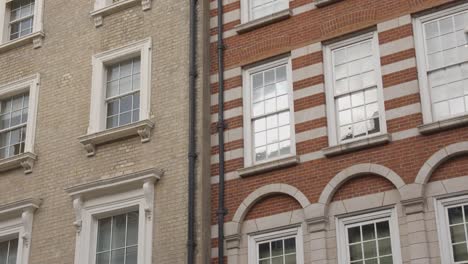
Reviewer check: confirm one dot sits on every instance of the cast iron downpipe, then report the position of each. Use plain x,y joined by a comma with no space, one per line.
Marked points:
221,126
192,155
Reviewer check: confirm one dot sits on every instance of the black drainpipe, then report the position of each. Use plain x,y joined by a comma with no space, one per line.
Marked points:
221,126
192,155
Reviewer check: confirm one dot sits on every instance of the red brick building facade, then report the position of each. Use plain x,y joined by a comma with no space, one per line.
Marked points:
342,117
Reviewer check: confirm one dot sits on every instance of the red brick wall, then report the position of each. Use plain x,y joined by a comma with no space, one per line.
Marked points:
363,185
455,167
272,205
405,156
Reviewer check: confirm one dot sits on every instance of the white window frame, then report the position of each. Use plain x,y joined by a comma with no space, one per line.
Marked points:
249,157
16,222
111,197
333,139
100,4
246,11
4,23
443,231
142,49
104,8
342,234
255,239
426,103
29,84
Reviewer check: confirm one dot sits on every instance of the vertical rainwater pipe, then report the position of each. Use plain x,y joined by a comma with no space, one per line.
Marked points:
221,126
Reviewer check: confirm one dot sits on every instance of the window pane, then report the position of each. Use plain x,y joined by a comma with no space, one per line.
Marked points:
386,260
272,151
3,252
264,250
118,231
290,245
260,139
132,229
104,231
282,102
345,117
259,125
277,260
118,256
258,94
281,73
125,85
270,91
112,89
383,229
132,255
357,99
284,133
103,258
354,234
112,122
271,121
113,107
370,249
371,261
455,215
272,135
431,29
460,252
360,129
385,247
260,153
277,248
136,82
355,252
285,147
269,76
368,232
457,233
359,114
136,65
125,118
270,105
344,102
290,259
13,251
257,80
126,103
126,69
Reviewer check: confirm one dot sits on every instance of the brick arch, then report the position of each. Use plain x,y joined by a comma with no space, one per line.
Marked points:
438,158
355,171
262,192
361,185
271,205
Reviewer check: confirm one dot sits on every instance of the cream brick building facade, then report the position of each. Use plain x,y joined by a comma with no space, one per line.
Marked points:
59,55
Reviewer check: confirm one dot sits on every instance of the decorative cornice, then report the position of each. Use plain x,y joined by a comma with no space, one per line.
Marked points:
124,182
17,208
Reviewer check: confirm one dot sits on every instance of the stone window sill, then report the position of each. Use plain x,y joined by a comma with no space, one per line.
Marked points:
321,3
99,14
263,21
269,166
442,125
357,145
141,128
25,160
34,38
